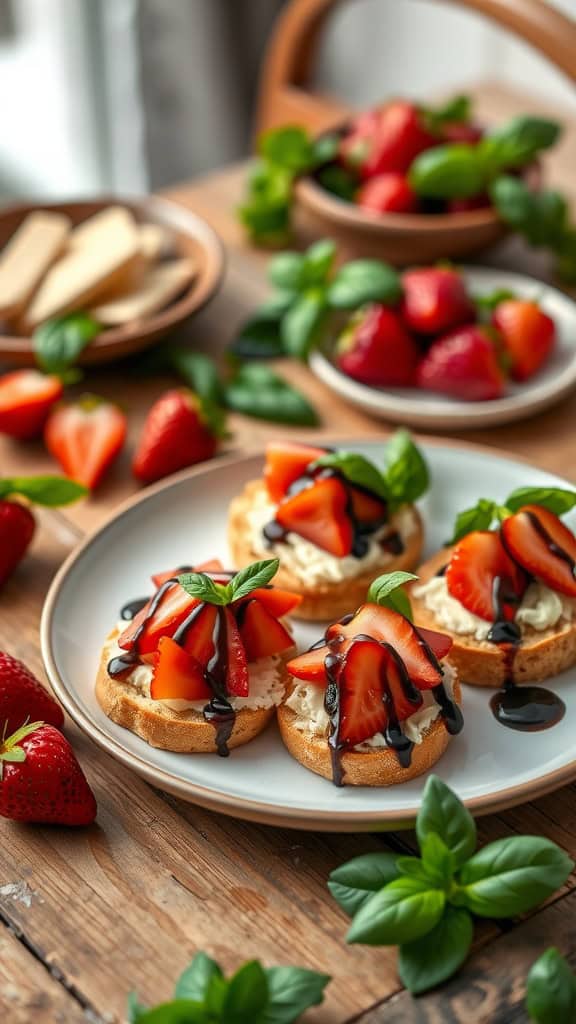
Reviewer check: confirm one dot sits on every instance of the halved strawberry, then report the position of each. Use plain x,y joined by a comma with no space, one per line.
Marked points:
476,562
367,508
320,515
86,436
544,546
277,602
237,680
362,709
385,624
177,675
262,634
285,462
173,607
26,397
214,565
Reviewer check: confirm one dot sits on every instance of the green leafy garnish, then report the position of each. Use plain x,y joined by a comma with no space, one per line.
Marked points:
551,990
407,473
201,375
425,904
198,584
59,342
486,512
458,108
386,591
364,281
257,391
51,491
202,586
357,469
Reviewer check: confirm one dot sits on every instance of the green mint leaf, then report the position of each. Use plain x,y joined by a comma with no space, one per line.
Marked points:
358,470
364,281
510,876
556,499
247,995
354,883
517,142
385,591
407,474
259,337
437,858
255,390
318,262
302,325
479,517
551,990
180,1011
200,373
286,271
458,108
289,147
404,910
194,981
339,181
451,171
291,991
427,962
259,574
50,491
443,813
58,342
198,584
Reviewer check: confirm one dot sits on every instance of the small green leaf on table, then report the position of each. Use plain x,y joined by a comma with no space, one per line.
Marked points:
551,990
443,814
50,491
353,883
404,910
257,391
427,962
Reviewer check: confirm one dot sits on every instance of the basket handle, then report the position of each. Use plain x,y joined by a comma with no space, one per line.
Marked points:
284,99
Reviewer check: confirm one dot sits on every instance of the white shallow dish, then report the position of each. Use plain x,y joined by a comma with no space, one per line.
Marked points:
417,408
184,520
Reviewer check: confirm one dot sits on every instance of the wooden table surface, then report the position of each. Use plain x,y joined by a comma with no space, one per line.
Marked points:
86,916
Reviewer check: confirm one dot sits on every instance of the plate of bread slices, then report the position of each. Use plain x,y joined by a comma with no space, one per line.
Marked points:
298,637
138,268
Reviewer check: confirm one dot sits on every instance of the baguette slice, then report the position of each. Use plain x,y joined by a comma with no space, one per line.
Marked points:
31,251
157,288
155,241
542,653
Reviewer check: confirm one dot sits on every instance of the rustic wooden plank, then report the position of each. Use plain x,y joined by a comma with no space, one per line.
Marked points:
29,992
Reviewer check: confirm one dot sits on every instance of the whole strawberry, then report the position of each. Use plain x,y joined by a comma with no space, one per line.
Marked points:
176,434
41,780
23,699
17,523
376,348
435,300
463,364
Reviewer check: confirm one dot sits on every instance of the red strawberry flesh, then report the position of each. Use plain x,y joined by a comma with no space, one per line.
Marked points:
476,563
543,546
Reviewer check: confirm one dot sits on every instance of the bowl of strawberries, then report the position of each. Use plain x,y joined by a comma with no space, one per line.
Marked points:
462,348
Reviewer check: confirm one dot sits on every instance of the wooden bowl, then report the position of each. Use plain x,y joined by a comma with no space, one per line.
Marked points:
192,237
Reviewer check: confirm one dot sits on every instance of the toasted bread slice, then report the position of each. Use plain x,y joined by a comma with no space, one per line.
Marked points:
378,767
542,653
185,732
321,601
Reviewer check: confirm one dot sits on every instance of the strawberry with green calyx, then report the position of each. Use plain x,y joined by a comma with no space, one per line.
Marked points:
26,398
377,349
23,698
177,433
86,436
41,780
17,522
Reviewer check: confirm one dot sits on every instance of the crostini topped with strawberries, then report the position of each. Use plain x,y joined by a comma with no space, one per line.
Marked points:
333,518
199,666
374,702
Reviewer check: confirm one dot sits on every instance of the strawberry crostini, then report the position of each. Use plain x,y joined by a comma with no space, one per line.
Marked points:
506,595
333,519
200,666
375,701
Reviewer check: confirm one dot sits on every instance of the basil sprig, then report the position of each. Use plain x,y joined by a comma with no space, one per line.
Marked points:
486,512
255,390
50,491
202,586
542,218
387,591
551,990
253,995
58,342
425,904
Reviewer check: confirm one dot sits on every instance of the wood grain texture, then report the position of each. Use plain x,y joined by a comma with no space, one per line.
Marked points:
29,992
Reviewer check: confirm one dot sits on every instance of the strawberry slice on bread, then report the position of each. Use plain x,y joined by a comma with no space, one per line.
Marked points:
539,542
319,514
477,562
286,461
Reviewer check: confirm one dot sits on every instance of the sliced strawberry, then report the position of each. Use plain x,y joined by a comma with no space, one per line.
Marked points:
320,515
285,462
477,561
237,680
177,675
277,602
262,634
26,397
439,643
86,437
396,687
199,639
385,624
174,606
214,565
310,665
544,546
367,508
362,708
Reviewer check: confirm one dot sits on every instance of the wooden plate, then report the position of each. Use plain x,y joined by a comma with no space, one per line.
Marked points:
183,520
192,237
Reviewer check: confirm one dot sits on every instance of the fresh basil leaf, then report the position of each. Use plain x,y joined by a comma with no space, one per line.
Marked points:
275,305
357,469
286,271
404,910
517,142
364,281
479,517
407,474
135,1009
510,876
198,371
257,391
289,147
488,303
556,499
180,1011
427,962
551,990
302,324
318,261
58,342
194,981
437,858
443,813
325,148
291,991
338,180
385,591
413,867
540,216
354,883
259,337
247,995
451,171
266,211
50,491
259,574
198,584
458,108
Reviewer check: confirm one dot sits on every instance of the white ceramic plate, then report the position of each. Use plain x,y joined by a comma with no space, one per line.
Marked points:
184,520
417,408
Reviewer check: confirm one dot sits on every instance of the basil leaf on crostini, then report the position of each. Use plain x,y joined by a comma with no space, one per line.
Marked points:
432,959
386,591
404,910
259,574
512,875
357,469
555,499
199,585
407,473
50,491
444,814
479,517
551,989
353,883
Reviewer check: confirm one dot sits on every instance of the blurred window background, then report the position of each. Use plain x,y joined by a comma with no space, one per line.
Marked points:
132,95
